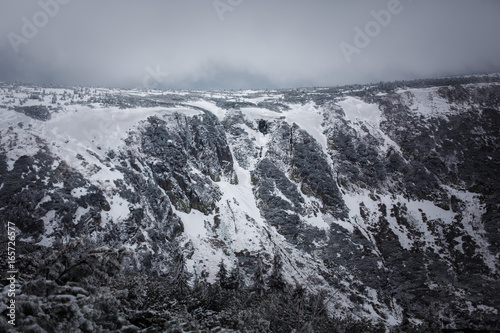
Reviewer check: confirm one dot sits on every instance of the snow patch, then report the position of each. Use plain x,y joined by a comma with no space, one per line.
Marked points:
356,110
119,209
310,119
79,192
48,224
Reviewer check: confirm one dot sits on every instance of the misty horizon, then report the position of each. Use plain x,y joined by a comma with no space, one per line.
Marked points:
238,44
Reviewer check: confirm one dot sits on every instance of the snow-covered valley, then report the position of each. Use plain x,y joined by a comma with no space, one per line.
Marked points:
380,205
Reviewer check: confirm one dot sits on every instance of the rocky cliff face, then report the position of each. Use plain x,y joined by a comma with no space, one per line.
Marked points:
355,208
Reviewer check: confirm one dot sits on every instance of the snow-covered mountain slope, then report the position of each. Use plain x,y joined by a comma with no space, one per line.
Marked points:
384,200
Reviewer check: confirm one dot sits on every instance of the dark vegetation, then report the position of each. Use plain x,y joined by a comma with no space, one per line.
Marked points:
81,287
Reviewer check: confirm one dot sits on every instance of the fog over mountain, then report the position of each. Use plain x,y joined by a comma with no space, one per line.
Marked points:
244,44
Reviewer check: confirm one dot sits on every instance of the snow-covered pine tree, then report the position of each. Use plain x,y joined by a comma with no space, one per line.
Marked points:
259,278
276,280
235,280
179,274
222,275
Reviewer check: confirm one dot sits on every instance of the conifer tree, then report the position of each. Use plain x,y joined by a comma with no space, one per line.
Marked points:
179,274
276,280
222,275
235,281
259,278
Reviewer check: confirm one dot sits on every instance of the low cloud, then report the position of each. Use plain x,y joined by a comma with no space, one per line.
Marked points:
257,44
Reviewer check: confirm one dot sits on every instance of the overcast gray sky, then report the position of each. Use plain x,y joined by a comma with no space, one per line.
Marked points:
235,44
